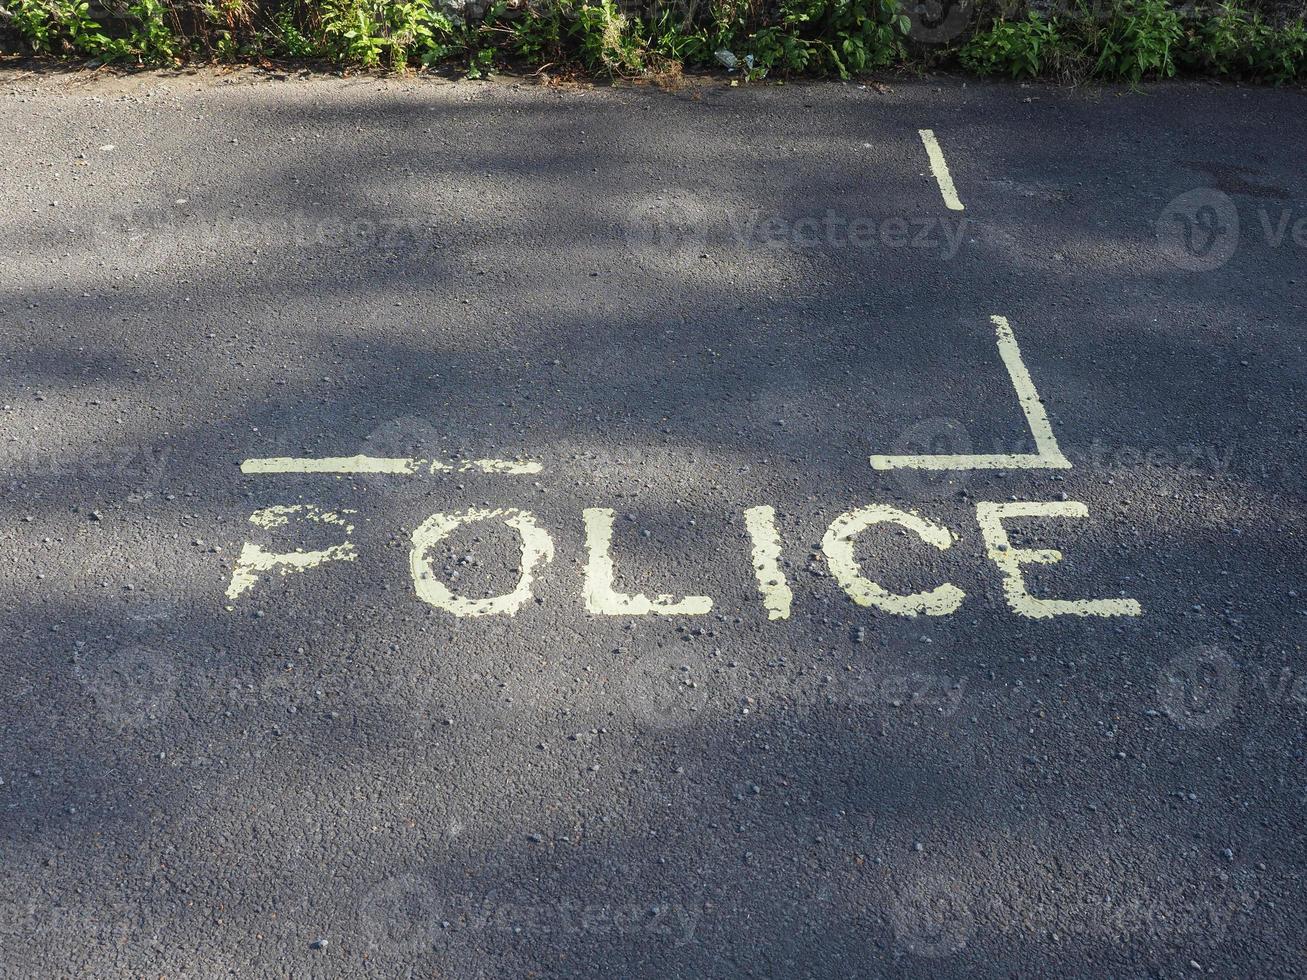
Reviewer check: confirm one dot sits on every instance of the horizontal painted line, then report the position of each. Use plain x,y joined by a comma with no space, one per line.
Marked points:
1017,461
385,464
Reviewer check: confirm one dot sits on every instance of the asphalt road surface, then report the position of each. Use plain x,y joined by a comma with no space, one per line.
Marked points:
502,530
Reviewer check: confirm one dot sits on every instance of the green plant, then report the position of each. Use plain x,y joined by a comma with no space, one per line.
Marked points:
350,32
778,47
1139,40
33,21
289,39
844,36
225,31
57,27
149,39
480,61
674,34
82,33
1021,49
1131,39
538,34
1216,41
1236,43
729,25
369,32
864,34
608,39
1289,59
473,38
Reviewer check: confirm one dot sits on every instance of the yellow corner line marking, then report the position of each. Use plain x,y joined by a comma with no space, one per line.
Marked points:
385,464
1031,406
939,168
1049,456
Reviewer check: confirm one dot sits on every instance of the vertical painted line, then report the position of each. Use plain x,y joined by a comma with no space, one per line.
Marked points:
776,594
940,169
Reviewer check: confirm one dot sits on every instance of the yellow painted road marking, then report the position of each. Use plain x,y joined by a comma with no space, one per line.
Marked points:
776,594
254,559
1049,456
384,464
990,517
1031,405
600,596
939,168
838,546
537,549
